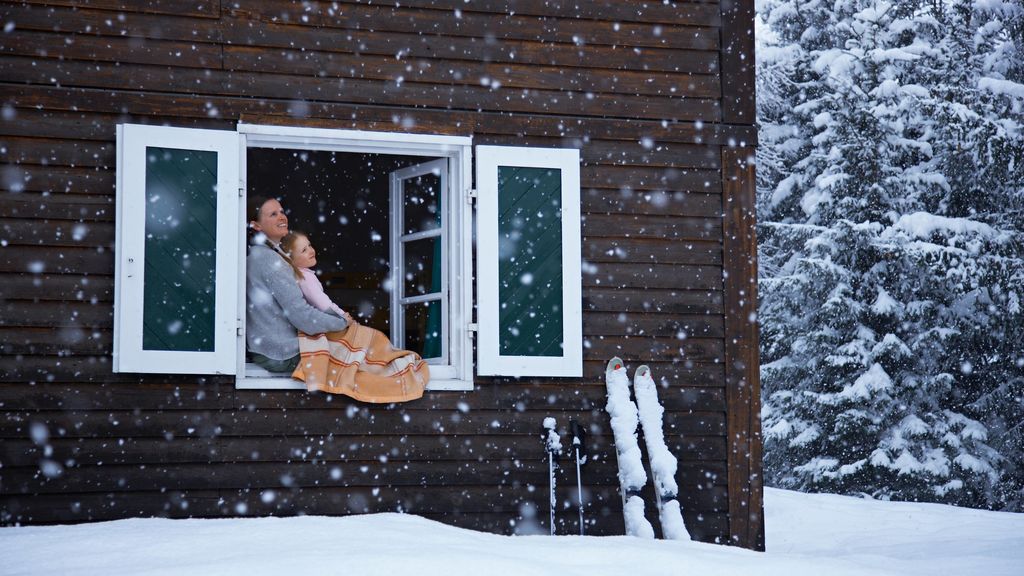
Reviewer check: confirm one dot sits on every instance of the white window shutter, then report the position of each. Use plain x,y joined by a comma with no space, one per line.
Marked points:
528,262
176,250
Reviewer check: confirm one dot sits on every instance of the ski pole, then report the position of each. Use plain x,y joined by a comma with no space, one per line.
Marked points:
553,445
578,446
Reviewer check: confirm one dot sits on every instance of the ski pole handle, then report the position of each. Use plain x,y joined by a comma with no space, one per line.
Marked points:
577,432
579,441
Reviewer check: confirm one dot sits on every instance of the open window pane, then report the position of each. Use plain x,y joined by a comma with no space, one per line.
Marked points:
422,266
181,245
530,261
422,195
176,274
528,238
419,261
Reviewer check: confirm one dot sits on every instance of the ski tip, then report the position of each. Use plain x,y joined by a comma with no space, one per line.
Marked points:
643,371
615,364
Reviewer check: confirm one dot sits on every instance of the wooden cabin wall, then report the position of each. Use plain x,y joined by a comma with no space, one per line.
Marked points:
658,97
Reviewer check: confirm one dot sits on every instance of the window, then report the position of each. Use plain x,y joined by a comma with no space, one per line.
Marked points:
403,197
394,214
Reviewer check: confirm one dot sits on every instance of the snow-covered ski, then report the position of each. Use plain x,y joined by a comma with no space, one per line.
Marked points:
632,477
663,463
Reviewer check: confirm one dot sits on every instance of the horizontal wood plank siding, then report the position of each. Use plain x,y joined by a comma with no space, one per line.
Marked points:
694,13
642,88
156,108
193,8
503,25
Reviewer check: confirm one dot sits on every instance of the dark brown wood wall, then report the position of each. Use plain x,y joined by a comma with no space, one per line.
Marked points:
667,203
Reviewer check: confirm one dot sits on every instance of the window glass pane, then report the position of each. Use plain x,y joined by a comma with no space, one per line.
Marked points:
422,266
422,203
181,231
423,328
530,261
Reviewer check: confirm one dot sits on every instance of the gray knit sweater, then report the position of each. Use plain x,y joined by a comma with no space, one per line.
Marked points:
275,307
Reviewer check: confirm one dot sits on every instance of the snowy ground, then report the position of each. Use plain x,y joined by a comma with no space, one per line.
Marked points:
808,535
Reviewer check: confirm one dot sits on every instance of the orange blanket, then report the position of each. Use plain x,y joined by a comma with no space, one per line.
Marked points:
360,362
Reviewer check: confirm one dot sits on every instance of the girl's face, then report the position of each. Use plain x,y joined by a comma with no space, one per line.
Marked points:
303,255
272,221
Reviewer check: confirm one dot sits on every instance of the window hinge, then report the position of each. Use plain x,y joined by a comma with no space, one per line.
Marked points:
473,327
241,191
471,195
238,326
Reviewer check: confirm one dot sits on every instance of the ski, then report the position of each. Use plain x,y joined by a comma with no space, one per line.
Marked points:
663,463
632,477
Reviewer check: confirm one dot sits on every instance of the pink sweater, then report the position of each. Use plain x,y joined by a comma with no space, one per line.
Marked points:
313,291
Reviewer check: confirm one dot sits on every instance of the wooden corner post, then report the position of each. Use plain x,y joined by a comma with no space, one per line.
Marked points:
737,64
742,379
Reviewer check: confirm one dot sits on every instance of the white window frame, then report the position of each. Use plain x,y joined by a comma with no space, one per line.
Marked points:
457,374
130,257
490,361
399,299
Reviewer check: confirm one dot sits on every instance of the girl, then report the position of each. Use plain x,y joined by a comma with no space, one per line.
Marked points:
303,257
360,362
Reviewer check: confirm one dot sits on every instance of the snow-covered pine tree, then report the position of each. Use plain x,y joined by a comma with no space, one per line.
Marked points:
878,257
984,154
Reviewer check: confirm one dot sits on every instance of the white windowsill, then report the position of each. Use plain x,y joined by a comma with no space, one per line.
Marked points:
257,378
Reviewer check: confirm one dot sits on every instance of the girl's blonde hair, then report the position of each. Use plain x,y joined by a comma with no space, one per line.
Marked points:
288,245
